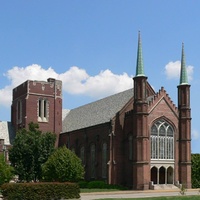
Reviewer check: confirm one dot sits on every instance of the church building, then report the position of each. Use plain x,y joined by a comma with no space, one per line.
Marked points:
137,138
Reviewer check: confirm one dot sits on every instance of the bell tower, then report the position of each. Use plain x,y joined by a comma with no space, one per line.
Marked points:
141,153
39,102
184,126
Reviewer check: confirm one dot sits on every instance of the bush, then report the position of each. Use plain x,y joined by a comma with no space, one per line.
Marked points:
63,165
99,185
44,191
83,184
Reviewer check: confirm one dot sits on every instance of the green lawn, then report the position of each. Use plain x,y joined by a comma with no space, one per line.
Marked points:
161,198
85,190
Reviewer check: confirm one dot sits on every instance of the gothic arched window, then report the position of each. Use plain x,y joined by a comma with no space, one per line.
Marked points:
162,140
92,160
82,155
104,160
43,110
130,145
19,112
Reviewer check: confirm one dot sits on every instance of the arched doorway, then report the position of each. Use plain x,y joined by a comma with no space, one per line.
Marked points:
170,174
154,175
162,175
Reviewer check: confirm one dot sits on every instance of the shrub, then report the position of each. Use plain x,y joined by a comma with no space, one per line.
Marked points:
83,184
44,191
63,165
99,185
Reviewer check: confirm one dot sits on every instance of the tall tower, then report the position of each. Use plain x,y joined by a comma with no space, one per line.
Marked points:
39,102
184,126
141,153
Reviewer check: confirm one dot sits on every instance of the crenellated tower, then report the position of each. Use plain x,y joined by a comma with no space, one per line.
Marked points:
141,153
39,102
184,126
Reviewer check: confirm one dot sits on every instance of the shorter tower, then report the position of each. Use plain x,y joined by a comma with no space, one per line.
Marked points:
141,154
39,102
184,126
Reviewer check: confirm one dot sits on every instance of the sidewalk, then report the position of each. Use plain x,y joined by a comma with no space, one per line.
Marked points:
136,194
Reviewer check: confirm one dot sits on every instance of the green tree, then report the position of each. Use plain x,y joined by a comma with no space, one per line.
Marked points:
196,170
31,148
63,165
6,171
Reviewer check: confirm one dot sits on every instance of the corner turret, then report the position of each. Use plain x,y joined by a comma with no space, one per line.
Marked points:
184,125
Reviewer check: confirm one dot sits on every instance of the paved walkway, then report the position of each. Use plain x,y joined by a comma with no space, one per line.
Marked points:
136,194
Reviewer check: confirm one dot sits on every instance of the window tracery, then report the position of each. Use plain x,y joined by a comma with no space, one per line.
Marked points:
162,140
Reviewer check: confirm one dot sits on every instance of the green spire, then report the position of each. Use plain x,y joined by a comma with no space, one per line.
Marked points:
183,75
139,64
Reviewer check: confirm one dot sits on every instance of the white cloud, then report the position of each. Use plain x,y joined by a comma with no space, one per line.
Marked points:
17,75
195,134
172,70
75,81
103,84
6,96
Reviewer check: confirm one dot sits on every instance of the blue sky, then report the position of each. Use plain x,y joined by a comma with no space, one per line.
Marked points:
91,46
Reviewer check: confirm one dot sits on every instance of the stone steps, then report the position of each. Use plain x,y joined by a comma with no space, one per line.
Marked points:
165,187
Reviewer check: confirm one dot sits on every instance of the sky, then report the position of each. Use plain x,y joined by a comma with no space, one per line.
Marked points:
91,46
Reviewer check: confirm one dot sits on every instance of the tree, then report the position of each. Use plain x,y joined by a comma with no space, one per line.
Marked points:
6,171
196,170
31,148
63,165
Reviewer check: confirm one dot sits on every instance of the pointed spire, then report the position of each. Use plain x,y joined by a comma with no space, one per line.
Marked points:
183,75
139,64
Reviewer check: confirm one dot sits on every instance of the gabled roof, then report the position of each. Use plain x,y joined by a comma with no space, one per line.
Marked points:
6,132
95,113
160,95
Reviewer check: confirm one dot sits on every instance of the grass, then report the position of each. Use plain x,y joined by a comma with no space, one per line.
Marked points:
159,198
85,190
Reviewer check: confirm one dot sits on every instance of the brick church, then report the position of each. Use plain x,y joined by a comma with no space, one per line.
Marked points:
137,138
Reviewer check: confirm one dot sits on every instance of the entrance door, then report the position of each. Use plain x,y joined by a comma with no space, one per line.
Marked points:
162,175
154,173
170,175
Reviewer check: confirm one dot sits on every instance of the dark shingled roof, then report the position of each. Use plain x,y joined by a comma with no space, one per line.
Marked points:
98,112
